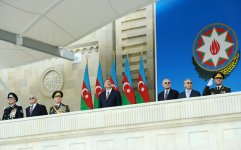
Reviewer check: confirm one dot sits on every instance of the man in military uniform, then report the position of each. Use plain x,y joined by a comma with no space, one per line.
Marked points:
13,111
58,107
218,78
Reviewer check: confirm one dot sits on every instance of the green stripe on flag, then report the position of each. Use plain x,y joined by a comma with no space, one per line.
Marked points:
125,100
139,98
83,105
96,102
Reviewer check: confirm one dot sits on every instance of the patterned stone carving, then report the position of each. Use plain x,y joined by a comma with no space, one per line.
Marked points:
51,80
87,47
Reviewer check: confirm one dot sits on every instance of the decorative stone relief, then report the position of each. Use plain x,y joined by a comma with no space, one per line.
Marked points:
83,48
51,80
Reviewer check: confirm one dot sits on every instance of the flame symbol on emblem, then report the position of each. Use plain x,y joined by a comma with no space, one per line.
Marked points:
214,47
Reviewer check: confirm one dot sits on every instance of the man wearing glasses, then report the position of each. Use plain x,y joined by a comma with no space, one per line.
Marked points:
189,92
35,109
13,111
219,89
168,93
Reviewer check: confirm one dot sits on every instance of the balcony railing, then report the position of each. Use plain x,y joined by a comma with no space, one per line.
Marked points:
146,117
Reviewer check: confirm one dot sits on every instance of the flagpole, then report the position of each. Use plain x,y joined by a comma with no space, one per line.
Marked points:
141,54
87,57
114,57
127,53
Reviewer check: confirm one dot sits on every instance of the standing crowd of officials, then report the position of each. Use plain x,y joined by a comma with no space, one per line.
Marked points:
13,111
109,98
168,93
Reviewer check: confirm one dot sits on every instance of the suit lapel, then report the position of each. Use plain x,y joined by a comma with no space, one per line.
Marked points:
27,111
105,96
163,94
191,94
34,109
169,94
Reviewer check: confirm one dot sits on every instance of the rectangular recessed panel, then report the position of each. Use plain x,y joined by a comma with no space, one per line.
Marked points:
77,146
232,139
27,148
105,145
135,143
166,142
198,140
51,147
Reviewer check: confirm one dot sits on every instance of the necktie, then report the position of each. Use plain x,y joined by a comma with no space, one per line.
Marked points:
31,110
166,94
107,95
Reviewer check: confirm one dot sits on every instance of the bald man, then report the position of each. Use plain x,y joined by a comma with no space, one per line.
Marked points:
167,93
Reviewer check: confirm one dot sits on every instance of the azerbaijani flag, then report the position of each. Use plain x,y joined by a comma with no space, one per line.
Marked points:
99,86
128,94
113,77
86,99
142,95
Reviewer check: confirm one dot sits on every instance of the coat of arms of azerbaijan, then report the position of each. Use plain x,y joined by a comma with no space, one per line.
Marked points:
215,49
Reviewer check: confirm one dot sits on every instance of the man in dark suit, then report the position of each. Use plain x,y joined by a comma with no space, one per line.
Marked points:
168,93
189,92
58,106
35,109
219,89
13,111
109,97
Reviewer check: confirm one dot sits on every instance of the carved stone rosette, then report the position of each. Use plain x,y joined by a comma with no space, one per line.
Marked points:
51,80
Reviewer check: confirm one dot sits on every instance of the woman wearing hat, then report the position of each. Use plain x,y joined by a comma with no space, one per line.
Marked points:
58,106
13,111
218,78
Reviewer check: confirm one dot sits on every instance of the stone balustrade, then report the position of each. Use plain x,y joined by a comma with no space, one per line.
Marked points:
200,123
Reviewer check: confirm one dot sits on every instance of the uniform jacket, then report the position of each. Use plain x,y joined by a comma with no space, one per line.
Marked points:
61,109
13,112
213,91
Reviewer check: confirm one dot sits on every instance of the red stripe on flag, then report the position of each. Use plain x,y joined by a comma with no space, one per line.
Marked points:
129,91
143,90
98,88
85,94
